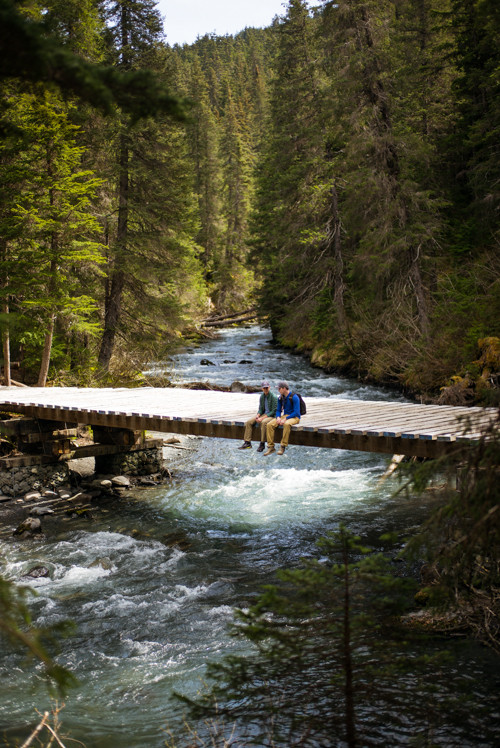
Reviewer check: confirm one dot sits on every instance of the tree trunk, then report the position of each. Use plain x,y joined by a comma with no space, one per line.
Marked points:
6,348
349,687
47,348
111,318
419,289
113,300
47,345
6,334
334,245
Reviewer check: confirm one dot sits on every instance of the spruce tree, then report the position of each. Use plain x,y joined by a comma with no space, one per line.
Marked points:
203,140
320,652
55,230
237,164
476,26
226,131
290,189
150,220
33,55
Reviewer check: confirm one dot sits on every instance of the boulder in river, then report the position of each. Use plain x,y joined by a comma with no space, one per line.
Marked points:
39,511
32,496
147,482
99,484
28,528
238,387
121,481
36,573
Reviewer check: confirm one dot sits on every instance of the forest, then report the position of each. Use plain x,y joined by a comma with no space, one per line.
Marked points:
339,170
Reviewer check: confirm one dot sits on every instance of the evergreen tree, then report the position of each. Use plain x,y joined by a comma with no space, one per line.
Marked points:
292,190
153,211
320,652
31,54
17,629
387,214
13,172
204,151
476,25
221,76
77,26
460,541
237,164
54,226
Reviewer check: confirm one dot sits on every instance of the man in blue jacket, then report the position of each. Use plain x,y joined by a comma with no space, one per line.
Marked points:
268,403
287,415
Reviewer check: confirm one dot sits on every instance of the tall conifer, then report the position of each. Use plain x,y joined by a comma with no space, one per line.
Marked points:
54,229
286,219
152,212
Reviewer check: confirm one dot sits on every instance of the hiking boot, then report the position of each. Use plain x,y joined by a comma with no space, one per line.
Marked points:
270,450
261,447
245,445
281,450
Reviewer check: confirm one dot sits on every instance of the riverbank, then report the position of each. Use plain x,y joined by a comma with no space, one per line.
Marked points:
478,383
76,496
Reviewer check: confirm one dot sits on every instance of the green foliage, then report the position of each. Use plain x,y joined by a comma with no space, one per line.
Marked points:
52,245
461,539
226,78
477,26
320,637
36,643
30,54
148,210
395,106
339,166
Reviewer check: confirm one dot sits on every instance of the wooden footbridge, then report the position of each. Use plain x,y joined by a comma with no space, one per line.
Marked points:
368,426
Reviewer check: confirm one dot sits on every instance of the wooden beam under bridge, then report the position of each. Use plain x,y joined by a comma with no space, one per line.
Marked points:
367,426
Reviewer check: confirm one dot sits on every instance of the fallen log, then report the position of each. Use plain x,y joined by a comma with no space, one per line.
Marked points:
218,317
18,384
232,321
206,334
210,386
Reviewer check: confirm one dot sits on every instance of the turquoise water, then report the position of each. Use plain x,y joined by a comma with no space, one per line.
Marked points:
152,581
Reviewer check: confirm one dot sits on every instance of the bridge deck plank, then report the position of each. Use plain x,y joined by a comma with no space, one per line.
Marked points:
330,422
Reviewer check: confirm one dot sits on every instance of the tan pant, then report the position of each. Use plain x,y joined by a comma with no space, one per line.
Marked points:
271,427
249,428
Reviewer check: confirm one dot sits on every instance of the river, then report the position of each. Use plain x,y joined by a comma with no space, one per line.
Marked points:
152,580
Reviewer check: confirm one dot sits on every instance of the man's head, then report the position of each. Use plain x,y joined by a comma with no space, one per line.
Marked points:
265,386
283,387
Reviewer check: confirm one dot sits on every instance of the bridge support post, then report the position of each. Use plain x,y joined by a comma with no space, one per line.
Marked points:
136,462
34,453
134,454
29,458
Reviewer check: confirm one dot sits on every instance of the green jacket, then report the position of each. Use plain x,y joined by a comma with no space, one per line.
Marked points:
272,404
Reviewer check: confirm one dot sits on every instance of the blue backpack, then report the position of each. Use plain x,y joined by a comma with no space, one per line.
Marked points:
303,409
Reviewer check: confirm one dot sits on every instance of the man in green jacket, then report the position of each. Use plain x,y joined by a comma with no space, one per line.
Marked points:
267,410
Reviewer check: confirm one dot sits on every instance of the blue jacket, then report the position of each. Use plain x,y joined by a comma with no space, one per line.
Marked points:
291,407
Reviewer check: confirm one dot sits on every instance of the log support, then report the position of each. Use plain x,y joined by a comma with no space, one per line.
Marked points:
34,442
